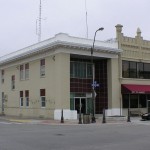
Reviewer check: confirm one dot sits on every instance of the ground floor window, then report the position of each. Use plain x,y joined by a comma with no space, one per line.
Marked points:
21,98
43,98
135,100
27,98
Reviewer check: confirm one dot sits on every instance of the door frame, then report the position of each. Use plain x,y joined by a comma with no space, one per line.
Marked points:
80,102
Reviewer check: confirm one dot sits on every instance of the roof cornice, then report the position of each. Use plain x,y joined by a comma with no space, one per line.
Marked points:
60,40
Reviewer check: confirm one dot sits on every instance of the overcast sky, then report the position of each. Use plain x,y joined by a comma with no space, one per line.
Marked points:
18,20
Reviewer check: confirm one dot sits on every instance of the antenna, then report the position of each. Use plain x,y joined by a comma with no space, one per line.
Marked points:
38,22
86,20
40,13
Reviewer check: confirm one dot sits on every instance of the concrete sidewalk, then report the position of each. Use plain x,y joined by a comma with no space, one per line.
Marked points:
109,120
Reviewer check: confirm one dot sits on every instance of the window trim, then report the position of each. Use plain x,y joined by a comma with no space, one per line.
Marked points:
42,67
13,82
43,95
21,99
27,98
24,71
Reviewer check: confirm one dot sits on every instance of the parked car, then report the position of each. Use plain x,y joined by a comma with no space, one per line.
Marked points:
145,116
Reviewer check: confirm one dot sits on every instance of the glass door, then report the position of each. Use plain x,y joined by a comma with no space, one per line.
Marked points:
80,103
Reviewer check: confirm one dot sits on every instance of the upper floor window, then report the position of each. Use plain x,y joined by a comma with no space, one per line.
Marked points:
24,71
13,82
2,76
43,98
42,68
80,70
132,69
27,71
21,72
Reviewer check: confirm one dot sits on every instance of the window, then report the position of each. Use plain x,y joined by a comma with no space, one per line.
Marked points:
21,98
132,69
43,99
71,69
142,101
21,72
27,98
80,70
125,99
13,82
2,76
42,68
24,72
89,70
140,70
146,71
125,69
134,101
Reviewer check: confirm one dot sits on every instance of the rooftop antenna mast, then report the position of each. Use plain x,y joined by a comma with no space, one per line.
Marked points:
39,21
86,20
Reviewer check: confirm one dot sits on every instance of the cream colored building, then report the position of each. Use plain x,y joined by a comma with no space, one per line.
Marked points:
134,73
55,74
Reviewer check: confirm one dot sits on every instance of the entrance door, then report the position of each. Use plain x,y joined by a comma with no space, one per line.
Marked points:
80,102
148,106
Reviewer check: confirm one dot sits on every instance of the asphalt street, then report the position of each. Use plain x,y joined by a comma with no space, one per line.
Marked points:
127,136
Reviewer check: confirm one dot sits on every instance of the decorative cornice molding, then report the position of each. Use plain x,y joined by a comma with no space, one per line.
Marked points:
60,40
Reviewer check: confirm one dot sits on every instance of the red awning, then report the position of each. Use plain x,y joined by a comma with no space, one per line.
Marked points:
133,88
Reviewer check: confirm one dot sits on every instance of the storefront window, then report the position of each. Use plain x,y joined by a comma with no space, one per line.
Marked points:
148,96
125,98
133,101
142,101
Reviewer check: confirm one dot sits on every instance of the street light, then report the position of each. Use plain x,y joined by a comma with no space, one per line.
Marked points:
93,90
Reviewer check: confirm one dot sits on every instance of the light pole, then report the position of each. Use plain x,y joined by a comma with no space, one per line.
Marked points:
93,76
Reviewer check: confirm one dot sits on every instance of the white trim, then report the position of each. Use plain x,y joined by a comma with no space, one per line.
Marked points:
60,40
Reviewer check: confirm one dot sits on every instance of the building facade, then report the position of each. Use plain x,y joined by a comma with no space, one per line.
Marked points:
56,74
134,71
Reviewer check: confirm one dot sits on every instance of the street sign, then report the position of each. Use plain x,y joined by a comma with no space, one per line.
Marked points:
95,84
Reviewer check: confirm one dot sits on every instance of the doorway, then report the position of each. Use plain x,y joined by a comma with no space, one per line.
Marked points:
80,102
